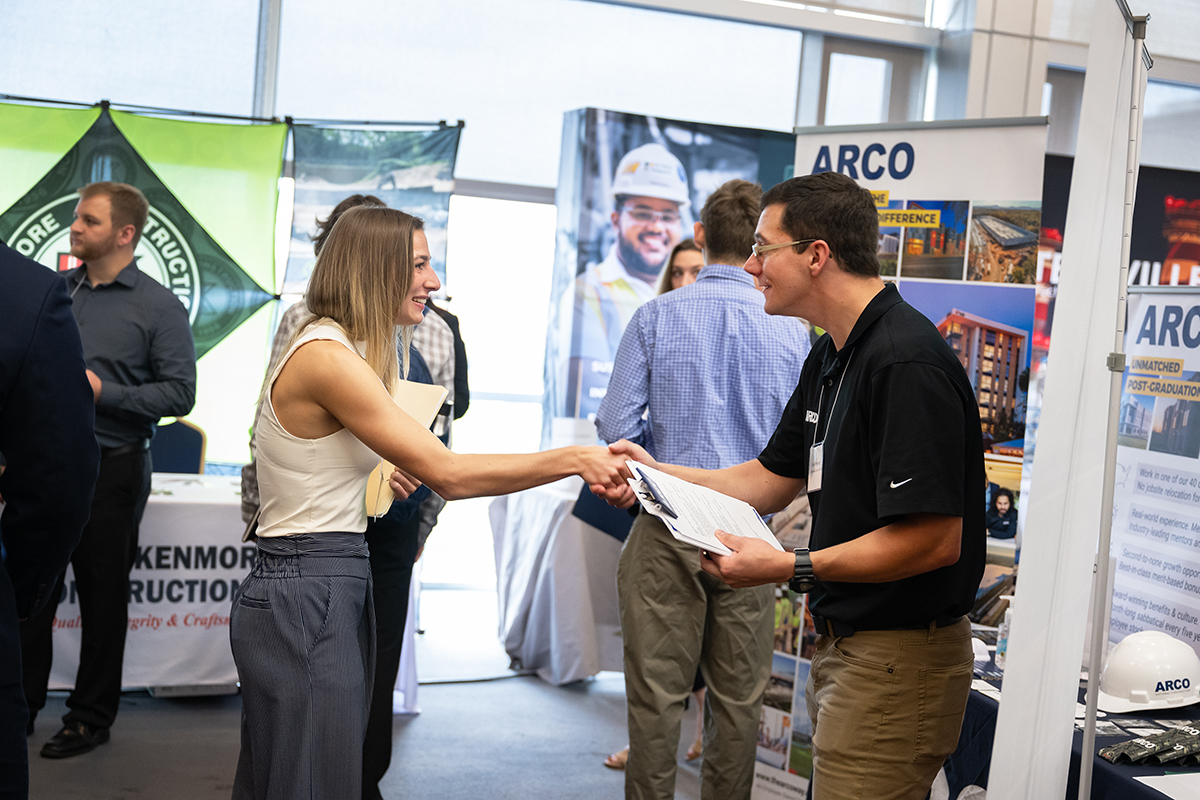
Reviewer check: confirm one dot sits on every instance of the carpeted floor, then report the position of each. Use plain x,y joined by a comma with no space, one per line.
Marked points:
513,737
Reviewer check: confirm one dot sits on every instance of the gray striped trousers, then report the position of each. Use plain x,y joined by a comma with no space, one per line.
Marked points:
302,631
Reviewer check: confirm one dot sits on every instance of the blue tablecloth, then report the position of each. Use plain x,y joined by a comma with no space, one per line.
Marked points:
970,762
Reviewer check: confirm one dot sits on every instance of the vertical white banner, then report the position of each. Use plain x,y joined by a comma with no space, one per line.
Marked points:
1036,722
1156,503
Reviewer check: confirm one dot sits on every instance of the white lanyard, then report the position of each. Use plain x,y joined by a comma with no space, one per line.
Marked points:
816,453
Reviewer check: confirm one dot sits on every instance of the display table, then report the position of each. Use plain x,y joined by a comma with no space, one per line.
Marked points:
556,580
969,764
189,564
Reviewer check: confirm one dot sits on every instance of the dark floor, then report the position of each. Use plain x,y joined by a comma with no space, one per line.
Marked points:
512,738
516,737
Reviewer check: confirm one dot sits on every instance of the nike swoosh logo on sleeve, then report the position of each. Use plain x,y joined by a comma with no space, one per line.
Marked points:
896,485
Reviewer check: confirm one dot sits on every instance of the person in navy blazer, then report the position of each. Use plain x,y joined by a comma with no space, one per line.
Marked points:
48,446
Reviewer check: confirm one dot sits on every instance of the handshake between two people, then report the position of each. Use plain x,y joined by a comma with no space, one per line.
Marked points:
753,562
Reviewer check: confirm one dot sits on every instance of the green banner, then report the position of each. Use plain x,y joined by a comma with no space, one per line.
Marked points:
226,176
175,248
32,140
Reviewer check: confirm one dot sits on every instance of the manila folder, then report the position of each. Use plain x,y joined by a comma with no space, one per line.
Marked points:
421,401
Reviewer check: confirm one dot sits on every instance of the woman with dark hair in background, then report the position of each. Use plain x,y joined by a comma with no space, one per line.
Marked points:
1001,518
302,624
683,266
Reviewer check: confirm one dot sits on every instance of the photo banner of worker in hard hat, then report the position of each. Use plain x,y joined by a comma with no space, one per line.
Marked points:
630,189
1156,498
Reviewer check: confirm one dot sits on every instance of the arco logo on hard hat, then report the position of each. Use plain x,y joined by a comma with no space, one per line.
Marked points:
162,252
1149,670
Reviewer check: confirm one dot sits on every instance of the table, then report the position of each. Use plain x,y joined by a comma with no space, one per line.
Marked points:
970,762
556,580
190,562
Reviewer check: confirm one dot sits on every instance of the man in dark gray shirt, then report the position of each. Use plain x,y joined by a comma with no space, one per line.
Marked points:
141,364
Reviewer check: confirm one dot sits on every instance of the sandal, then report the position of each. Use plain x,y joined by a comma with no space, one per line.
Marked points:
696,750
617,760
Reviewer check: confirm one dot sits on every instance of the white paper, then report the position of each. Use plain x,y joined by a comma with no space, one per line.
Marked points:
1180,786
700,511
986,689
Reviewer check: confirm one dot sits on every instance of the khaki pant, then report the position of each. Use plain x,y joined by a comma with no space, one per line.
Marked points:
886,710
673,617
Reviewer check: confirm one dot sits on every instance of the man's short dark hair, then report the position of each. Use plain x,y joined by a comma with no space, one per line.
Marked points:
729,217
831,207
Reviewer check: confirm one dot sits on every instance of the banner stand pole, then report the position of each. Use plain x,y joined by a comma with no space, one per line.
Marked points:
1098,647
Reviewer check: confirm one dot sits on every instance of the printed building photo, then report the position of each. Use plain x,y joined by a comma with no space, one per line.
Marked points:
1136,420
936,251
993,354
1177,426
1004,243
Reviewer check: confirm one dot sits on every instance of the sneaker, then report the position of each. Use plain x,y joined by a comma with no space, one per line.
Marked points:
74,739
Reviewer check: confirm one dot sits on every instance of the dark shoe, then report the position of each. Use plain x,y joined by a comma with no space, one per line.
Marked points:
74,739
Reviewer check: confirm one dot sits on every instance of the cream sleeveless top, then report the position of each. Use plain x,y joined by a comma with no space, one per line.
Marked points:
310,485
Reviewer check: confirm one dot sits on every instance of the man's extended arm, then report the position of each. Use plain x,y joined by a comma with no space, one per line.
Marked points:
47,435
172,393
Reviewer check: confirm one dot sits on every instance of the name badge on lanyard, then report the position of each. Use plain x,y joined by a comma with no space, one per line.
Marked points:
816,459
816,453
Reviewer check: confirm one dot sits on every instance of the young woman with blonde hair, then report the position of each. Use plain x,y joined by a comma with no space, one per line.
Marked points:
302,627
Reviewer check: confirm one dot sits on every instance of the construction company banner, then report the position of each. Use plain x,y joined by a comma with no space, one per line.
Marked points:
1164,243
189,563
1164,249
209,236
412,170
175,249
959,217
1156,502
630,188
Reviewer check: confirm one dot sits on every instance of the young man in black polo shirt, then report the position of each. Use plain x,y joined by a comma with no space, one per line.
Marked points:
883,432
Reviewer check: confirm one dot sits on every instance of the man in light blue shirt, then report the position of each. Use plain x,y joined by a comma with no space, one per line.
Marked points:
701,378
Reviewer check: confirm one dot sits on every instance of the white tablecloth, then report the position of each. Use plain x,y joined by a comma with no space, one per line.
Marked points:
557,585
191,559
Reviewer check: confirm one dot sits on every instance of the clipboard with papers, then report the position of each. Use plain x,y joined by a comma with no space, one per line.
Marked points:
693,513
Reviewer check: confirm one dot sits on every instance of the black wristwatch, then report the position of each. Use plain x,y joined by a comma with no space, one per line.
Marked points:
803,580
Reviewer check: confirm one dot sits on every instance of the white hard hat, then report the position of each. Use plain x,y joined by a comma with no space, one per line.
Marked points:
651,171
1149,670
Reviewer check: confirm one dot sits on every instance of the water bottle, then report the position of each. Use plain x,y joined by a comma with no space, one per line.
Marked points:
1002,635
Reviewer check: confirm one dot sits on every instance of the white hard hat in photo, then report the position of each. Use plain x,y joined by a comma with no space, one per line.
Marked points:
651,171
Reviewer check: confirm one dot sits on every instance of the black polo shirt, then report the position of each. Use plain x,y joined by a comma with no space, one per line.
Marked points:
903,438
